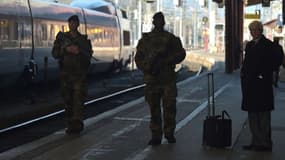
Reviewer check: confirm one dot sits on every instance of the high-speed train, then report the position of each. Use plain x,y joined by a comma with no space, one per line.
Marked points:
28,29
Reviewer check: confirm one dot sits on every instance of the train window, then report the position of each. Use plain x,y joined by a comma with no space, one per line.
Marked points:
57,28
9,33
126,38
124,14
63,28
44,32
26,40
3,29
13,31
51,32
38,34
21,29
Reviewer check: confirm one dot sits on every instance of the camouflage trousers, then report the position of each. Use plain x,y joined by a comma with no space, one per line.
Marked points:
154,95
74,92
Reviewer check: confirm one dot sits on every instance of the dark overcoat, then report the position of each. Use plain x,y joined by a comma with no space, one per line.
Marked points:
256,76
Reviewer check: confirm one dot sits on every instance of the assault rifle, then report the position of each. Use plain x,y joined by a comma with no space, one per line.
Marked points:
85,47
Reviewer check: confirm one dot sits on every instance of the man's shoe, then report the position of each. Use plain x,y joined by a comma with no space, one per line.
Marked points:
74,127
257,148
263,148
69,131
171,139
154,142
73,130
248,147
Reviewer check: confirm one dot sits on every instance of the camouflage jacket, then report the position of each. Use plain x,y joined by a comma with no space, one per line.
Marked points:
70,63
157,54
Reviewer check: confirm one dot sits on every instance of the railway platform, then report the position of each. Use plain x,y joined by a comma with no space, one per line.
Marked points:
123,133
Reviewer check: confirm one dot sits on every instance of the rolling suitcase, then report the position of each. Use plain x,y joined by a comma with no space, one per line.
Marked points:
217,129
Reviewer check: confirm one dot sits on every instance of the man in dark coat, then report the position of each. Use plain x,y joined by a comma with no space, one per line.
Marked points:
257,92
157,54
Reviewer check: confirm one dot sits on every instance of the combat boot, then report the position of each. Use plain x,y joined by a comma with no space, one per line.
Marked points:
75,127
155,140
171,139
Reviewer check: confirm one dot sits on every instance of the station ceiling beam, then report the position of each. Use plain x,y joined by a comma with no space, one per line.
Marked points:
253,2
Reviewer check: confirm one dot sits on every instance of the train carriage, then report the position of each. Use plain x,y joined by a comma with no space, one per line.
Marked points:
123,27
29,27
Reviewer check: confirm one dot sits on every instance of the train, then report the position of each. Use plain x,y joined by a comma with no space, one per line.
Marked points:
28,29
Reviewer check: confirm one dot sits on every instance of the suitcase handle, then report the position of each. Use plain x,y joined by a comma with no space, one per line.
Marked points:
211,95
224,112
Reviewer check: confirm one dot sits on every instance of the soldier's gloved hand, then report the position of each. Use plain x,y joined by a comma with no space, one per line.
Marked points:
73,49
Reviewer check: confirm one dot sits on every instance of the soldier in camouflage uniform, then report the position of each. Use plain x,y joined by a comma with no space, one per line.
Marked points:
157,54
73,52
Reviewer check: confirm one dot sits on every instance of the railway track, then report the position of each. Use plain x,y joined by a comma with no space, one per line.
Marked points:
62,111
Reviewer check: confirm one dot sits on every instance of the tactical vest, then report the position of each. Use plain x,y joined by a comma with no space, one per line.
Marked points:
73,63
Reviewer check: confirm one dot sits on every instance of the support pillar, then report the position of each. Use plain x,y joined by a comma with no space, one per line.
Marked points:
233,34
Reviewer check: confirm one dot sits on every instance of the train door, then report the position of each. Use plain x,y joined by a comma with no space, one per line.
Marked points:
125,38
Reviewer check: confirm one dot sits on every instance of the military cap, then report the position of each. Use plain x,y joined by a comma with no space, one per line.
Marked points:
73,18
